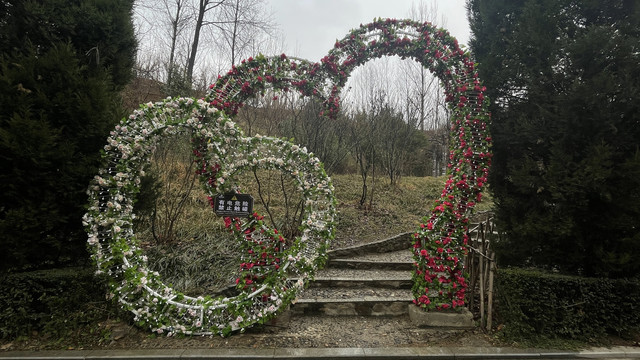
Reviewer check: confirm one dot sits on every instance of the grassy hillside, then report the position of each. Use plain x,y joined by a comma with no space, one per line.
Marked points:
395,209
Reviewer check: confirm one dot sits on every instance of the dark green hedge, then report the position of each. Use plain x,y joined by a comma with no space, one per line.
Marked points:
50,301
533,304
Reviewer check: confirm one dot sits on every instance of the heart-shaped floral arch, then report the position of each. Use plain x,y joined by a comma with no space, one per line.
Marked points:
223,151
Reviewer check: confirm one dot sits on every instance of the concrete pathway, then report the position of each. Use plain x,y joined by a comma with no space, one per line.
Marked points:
330,353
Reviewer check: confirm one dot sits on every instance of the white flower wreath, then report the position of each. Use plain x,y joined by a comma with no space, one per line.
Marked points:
114,247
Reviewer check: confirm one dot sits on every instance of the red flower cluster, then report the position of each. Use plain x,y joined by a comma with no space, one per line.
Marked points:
260,248
439,281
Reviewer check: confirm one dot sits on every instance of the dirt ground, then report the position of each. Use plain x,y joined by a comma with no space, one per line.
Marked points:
297,332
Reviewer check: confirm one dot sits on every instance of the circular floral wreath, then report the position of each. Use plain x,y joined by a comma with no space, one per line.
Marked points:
265,285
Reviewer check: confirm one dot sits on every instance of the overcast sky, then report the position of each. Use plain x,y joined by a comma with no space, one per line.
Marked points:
311,27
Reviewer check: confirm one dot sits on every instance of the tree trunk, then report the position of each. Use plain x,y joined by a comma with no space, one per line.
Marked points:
174,36
202,8
234,34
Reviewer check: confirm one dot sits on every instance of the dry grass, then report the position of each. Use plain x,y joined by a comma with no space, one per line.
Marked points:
396,208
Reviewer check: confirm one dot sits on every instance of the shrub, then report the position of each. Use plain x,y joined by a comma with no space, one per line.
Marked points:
50,301
533,305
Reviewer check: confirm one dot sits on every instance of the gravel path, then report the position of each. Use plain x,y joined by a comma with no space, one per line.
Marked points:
314,332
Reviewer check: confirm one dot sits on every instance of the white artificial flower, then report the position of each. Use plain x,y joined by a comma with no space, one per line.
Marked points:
93,239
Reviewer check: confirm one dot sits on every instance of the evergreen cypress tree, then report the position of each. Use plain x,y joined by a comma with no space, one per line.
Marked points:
58,103
566,129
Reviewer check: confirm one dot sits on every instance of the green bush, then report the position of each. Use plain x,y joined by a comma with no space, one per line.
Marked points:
565,170
53,302
62,66
534,306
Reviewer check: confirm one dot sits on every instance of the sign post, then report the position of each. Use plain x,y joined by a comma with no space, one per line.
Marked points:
233,205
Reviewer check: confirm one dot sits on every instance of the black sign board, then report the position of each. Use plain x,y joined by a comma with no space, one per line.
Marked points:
234,205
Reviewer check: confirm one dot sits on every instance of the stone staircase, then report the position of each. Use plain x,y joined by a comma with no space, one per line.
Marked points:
368,280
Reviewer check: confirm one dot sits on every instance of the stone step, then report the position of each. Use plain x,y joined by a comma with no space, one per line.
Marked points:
365,264
356,278
394,260
359,293
371,280
398,242
357,296
336,303
353,307
362,284
402,255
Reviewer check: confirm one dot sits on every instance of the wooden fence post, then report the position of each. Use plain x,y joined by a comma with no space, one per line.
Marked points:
490,291
481,274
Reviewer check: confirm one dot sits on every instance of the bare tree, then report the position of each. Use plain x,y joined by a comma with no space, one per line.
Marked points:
384,95
175,30
424,99
393,140
327,138
162,25
176,11
242,24
175,167
263,115
203,8
364,153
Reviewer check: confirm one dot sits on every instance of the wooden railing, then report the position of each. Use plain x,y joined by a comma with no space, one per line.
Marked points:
481,266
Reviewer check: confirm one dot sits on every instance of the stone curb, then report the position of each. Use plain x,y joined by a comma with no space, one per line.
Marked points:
329,353
439,319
